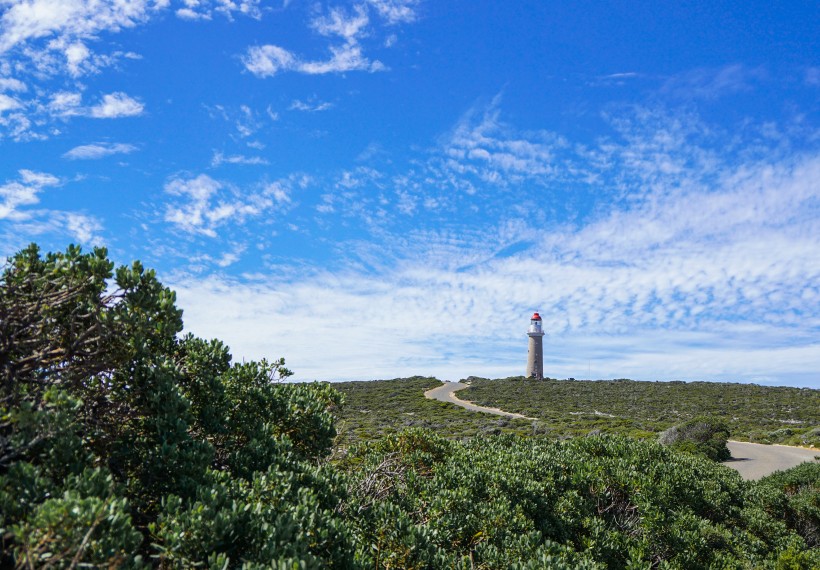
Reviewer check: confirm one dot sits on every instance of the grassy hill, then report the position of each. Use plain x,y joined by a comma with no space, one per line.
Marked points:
568,407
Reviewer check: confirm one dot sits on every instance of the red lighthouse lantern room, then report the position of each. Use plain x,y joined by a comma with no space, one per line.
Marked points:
535,324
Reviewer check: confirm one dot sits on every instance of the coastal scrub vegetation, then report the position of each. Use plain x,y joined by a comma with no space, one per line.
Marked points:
760,414
125,444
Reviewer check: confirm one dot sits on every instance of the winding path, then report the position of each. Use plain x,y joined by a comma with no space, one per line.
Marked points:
751,460
445,393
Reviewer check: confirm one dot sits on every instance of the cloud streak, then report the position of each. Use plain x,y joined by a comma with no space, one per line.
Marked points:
99,150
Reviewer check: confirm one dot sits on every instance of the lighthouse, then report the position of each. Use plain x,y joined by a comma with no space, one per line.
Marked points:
535,353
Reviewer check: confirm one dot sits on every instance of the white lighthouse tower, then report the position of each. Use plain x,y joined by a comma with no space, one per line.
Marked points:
535,353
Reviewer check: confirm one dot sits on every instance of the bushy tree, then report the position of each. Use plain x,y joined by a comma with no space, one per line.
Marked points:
114,431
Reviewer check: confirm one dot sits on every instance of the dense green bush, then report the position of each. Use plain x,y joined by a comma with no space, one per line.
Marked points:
122,444
701,436
608,501
793,496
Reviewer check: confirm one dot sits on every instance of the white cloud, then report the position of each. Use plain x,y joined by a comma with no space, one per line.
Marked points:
204,9
76,55
34,19
309,106
11,84
268,60
115,105
64,25
98,150
278,192
47,39
23,192
190,14
17,198
8,103
229,258
82,227
224,260
395,11
207,205
246,121
712,83
344,58
219,159
65,104
39,179
350,27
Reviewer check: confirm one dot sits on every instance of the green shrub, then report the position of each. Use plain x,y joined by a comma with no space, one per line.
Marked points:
700,436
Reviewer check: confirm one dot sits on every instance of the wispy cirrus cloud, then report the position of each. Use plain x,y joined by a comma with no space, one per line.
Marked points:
220,158
732,297
712,83
396,11
310,106
245,121
24,22
23,192
98,150
24,119
205,9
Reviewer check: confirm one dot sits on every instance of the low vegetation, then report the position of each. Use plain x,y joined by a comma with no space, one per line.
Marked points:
126,445
761,414
374,409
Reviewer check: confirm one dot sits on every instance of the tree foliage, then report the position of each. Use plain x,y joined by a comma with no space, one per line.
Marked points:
113,429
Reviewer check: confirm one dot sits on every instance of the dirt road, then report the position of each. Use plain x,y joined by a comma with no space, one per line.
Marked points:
755,460
751,460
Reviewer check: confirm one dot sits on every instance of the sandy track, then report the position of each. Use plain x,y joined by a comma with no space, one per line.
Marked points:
445,393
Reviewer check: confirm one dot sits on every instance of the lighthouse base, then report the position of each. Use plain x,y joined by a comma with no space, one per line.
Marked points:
535,357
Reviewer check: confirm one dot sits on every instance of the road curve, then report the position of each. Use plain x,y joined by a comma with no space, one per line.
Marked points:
755,460
751,460
445,393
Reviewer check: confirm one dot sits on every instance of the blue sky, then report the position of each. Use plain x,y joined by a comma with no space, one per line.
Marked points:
382,188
